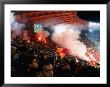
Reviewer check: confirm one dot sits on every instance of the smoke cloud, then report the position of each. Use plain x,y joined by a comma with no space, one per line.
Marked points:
16,26
68,37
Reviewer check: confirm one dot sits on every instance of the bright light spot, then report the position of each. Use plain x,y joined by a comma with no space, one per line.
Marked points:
28,41
76,60
90,30
93,24
39,38
45,41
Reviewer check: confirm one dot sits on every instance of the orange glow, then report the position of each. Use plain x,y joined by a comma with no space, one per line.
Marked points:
92,62
61,51
39,38
62,55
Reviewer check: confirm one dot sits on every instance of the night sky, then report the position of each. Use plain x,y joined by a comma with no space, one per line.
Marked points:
93,16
